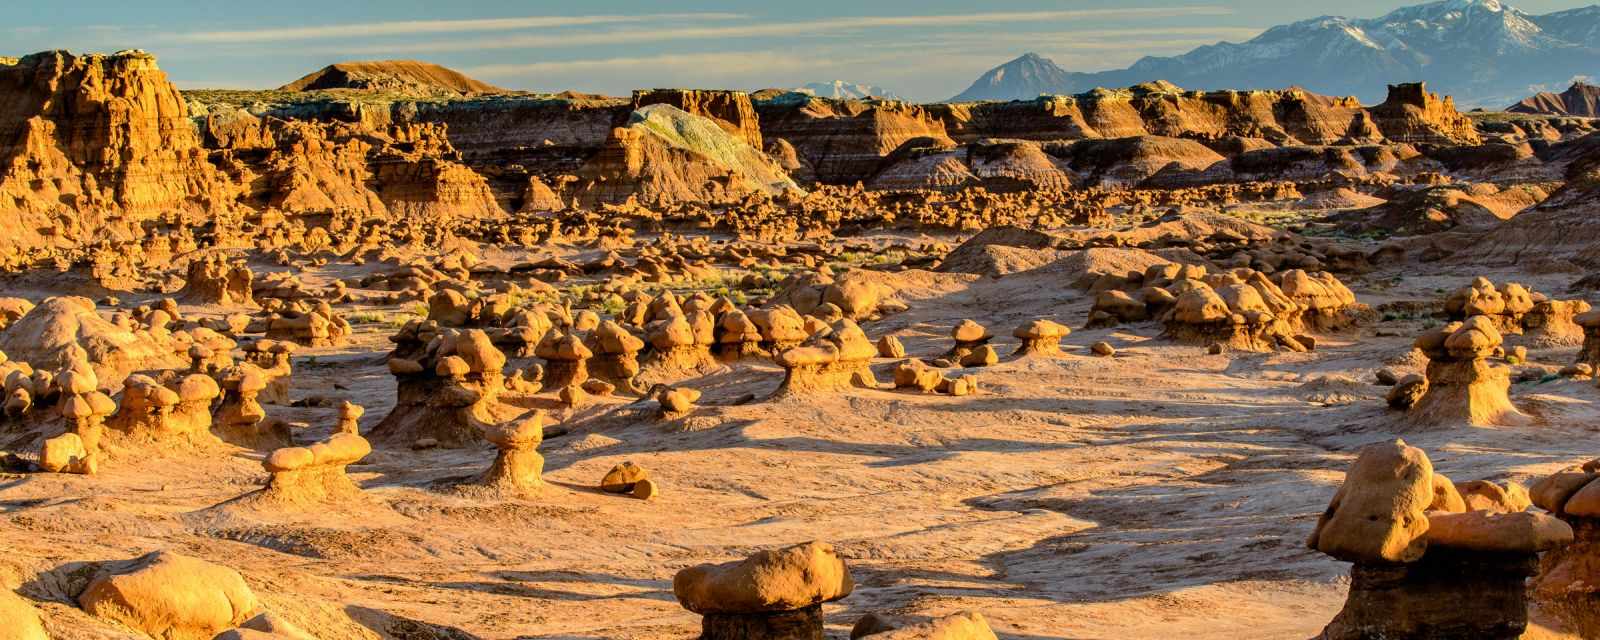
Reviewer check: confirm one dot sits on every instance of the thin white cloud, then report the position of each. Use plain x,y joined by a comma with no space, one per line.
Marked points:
720,63
416,27
826,27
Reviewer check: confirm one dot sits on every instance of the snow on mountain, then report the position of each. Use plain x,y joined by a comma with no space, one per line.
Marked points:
842,90
1483,52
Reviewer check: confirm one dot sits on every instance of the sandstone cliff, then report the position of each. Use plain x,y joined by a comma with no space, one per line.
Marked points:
731,110
666,155
87,138
1412,114
1288,117
846,141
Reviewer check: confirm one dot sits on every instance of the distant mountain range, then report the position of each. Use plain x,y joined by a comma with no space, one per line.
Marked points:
1482,52
841,90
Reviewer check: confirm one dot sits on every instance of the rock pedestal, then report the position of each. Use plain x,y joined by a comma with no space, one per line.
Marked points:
449,395
1463,386
518,465
772,595
804,624
1446,595
1040,337
1426,568
566,360
616,356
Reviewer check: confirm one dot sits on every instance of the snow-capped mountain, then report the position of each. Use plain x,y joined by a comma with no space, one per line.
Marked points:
841,90
1481,51
1026,77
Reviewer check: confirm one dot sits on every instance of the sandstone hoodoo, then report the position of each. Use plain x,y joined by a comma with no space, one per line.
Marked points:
1422,565
1517,310
314,474
1241,309
1461,386
517,466
450,393
837,357
1039,337
773,595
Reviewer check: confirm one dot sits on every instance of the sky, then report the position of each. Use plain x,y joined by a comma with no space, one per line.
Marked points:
919,49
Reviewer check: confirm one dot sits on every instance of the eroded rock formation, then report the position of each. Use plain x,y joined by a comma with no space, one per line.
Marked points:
771,595
1422,565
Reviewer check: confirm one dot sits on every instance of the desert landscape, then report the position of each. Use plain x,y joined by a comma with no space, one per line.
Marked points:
391,352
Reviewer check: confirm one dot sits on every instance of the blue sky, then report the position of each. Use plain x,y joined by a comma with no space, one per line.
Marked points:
922,49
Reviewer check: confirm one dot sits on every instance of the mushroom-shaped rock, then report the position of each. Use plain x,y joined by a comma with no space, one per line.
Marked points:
681,342
616,355
968,335
771,594
1417,574
1462,385
1040,337
566,359
518,465
738,337
314,474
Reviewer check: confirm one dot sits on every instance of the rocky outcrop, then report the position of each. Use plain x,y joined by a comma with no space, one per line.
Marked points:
772,595
731,110
1581,99
170,596
1412,114
666,155
334,166
843,141
84,138
1291,116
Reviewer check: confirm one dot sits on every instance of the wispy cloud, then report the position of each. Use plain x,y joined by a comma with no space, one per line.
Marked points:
720,63
826,27
419,27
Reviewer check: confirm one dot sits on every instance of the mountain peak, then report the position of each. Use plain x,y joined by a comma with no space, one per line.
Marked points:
1027,76
1483,52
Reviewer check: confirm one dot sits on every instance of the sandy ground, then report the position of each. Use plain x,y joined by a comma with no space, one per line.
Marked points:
1157,494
